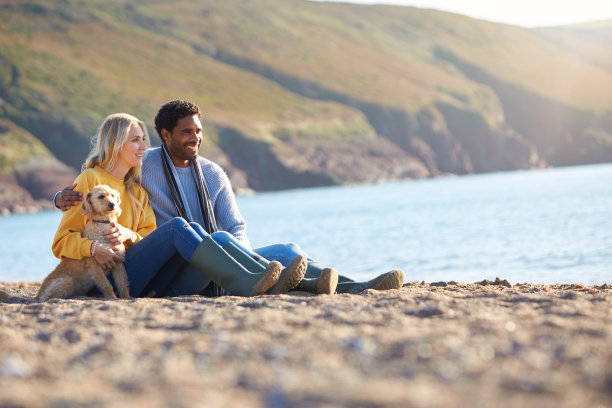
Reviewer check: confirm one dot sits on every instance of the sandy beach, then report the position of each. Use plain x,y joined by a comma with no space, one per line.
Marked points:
445,344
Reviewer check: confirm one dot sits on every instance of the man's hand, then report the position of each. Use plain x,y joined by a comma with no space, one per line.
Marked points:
68,198
105,256
118,234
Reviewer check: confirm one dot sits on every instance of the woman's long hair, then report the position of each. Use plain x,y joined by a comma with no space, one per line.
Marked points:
107,143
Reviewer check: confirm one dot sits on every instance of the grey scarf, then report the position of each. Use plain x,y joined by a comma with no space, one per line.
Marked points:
178,195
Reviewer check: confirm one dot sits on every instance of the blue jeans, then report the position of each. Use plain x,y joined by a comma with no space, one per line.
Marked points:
154,263
159,265
179,278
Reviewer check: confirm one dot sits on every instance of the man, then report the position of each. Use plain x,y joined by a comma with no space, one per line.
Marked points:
182,183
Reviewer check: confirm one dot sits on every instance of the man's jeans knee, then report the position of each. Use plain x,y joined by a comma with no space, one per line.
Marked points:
282,252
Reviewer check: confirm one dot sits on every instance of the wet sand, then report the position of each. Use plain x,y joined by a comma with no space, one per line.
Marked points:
425,345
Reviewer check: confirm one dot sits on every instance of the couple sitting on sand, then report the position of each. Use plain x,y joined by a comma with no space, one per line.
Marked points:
180,220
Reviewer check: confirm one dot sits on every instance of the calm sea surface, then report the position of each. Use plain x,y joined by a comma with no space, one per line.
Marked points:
544,226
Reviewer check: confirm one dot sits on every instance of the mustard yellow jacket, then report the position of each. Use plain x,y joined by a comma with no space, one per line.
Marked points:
68,242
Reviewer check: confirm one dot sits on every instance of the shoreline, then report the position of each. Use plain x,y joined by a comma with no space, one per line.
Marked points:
423,345
16,199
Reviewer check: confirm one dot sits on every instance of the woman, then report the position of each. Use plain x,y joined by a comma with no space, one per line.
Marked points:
115,160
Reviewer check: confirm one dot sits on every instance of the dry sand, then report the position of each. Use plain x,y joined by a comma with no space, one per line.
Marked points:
458,345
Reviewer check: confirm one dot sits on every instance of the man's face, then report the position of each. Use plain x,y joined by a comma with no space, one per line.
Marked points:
183,142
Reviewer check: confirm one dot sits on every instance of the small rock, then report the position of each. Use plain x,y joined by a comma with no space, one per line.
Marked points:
497,282
429,311
253,305
484,282
276,399
502,282
360,346
14,367
441,283
43,336
72,336
569,295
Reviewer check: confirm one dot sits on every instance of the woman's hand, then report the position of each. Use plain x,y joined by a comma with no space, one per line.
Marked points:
118,234
105,256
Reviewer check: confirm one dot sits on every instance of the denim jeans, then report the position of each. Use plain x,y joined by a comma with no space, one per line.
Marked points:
159,265
160,254
179,278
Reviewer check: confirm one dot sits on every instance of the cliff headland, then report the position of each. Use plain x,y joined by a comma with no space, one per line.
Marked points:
300,94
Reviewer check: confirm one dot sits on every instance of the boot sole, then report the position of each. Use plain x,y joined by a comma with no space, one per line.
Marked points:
327,282
291,276
269,278
390,280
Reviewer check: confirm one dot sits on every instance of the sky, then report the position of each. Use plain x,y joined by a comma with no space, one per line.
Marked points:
526,13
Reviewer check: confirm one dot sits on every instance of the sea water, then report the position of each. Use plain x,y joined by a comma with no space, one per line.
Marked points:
540,226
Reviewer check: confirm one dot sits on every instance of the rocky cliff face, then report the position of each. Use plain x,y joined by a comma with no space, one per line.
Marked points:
299,163
445,137
32,190
30,174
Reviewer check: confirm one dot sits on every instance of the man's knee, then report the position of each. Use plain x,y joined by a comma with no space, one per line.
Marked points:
286,249
293,247
198,229
222,237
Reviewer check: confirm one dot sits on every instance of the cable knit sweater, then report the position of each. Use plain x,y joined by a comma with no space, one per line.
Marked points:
221,195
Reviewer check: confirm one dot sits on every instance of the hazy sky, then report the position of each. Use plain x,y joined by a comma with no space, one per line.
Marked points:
528,13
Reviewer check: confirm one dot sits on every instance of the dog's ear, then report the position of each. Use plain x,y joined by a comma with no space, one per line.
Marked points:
87,205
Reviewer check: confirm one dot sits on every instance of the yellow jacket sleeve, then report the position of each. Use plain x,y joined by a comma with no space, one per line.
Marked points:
68,242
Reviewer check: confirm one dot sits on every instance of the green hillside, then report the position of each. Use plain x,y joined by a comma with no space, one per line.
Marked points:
299,93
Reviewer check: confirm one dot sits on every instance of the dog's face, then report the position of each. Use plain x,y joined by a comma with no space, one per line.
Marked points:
102,201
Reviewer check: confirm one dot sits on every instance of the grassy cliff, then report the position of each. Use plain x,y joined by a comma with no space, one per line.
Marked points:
298,93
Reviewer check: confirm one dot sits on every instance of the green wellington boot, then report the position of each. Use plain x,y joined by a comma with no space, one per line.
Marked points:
289,277
231,274
319,279
393,279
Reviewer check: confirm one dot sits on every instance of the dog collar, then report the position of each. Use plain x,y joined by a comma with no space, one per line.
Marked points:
102,221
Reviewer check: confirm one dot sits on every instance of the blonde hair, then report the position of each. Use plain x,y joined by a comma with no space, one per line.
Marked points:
107,143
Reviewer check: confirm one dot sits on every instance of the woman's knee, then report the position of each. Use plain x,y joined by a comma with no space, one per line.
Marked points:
181,229
177,222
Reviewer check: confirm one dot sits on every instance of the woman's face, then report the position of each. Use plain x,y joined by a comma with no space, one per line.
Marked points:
132,151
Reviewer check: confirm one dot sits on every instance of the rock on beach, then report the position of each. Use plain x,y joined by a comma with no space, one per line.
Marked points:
453,345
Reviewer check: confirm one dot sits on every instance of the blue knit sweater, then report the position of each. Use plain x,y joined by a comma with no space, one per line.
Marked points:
218,184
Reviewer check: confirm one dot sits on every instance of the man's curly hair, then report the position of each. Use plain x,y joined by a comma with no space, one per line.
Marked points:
169,114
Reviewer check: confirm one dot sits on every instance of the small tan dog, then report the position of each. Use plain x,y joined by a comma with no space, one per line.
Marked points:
76,277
